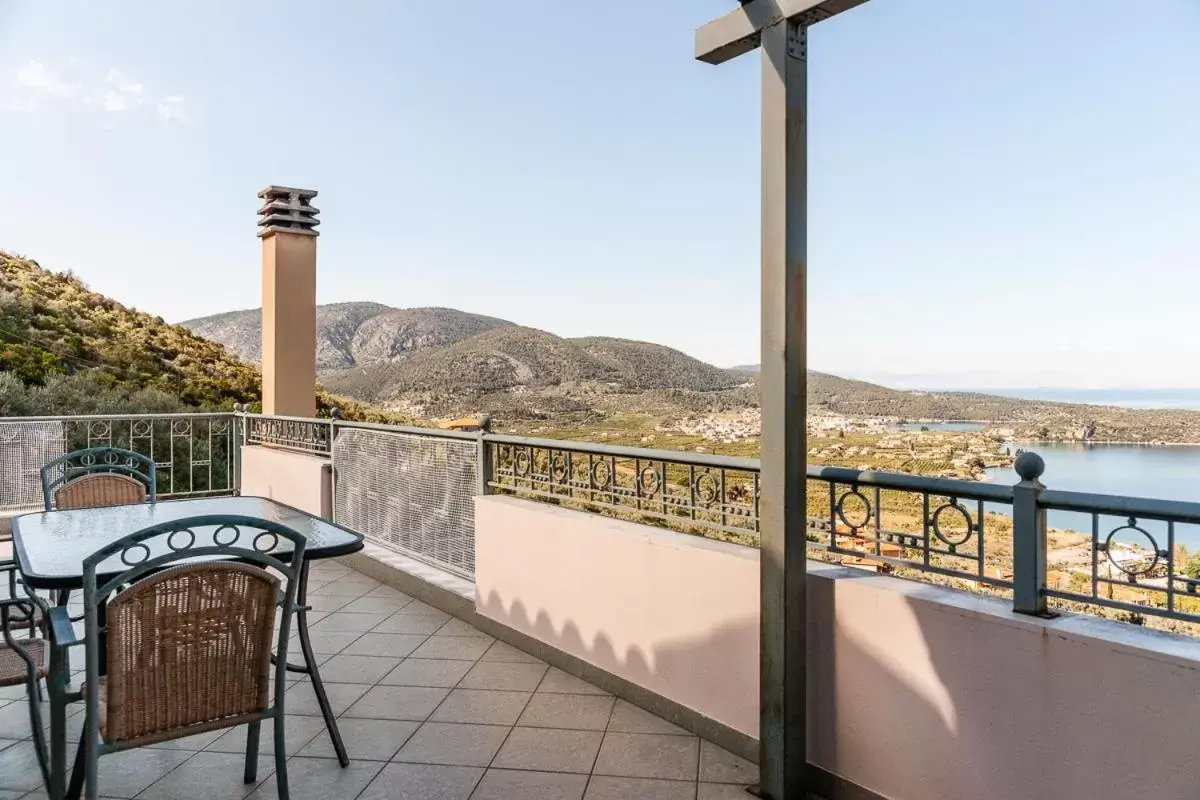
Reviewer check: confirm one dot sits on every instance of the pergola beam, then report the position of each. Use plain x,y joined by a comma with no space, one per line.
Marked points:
740,31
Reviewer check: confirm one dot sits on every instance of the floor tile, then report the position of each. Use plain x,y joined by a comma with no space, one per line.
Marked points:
395,645
549,750
568,711
323,602
561,683
503,675
127,773
19,767
193,743
327,642
427,672
343,587
718,765
722,791
409,623
481,706
346,668
418,607
321,779
343,621
367,739
604,787
449,743
628,718
398,702
207,775
502,651
298,731
457,627
302,698
422,782
506,784
647,755
455,647
388,591
376,604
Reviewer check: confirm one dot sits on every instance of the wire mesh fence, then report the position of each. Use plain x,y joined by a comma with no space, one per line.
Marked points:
194,454
413,493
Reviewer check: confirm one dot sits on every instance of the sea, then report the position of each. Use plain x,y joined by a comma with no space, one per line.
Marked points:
1164,472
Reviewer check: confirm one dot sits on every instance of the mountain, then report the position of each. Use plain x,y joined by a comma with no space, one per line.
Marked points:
443,361
352,334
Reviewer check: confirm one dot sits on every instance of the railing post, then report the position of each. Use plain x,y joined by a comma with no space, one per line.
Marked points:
237,443
1029,537
484,463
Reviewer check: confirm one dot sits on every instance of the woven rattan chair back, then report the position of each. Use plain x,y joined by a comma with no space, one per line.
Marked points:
99,489
190,608
189,650
75,480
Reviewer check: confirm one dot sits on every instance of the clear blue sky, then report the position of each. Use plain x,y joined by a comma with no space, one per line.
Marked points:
1001,193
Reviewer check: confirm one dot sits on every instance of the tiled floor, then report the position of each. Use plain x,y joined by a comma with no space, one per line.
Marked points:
430,709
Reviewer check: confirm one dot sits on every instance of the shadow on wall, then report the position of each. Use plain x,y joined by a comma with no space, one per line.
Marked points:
670,670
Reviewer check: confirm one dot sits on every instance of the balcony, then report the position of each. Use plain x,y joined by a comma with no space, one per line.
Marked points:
538,618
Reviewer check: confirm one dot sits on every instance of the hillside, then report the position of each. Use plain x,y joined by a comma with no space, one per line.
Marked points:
352,334
52,324
65,349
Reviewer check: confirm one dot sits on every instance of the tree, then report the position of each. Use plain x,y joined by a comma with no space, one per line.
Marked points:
1192,570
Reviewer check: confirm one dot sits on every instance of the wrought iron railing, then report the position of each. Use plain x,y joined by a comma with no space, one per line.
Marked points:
299,434
690,491
194,454
967,534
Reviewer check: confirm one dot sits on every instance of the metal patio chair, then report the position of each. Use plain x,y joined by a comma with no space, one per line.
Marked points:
184,645
96,477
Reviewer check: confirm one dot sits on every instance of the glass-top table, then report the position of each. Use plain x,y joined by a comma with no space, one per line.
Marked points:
50,547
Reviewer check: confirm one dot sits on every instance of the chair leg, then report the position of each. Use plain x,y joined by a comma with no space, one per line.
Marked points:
75,787
281,778
252,732
92,759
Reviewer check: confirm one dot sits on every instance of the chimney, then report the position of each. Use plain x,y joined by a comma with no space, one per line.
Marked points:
287,225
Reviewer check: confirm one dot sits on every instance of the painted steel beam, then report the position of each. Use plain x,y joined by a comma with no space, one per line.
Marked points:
740,31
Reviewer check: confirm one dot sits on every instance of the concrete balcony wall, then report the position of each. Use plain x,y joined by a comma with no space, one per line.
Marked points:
916,692
297,479
675,614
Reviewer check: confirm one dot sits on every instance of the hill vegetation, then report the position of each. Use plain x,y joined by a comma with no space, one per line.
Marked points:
65,349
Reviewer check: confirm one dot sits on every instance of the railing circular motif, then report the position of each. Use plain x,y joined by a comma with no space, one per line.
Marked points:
142,427
936,524
649,481
601,474
1131,525
868,511
521,463
706,488
99,429
181,427
558,467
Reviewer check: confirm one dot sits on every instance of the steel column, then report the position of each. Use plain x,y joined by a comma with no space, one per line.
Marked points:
783,385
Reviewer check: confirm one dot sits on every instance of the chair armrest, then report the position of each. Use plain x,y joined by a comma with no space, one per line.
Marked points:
62,632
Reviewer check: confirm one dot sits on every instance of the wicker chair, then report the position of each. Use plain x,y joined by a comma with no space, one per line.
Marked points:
189,642
96,477
24,661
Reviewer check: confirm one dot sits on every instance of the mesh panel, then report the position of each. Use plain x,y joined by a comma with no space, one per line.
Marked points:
409,492
25,447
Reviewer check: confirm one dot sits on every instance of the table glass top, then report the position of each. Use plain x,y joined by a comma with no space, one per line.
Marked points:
51,546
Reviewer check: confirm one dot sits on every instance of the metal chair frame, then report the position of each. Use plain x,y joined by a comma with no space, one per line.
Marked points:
90,460
178,539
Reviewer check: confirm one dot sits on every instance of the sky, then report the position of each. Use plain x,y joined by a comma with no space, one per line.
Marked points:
1001,193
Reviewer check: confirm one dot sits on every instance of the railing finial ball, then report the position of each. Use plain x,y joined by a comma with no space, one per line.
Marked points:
335,413
1029,466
